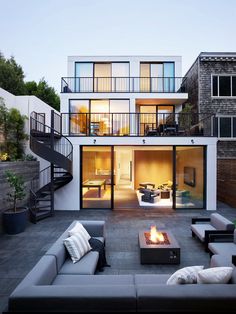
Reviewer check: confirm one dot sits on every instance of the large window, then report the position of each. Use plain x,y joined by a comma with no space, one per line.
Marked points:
225,126
102,76
99,117
224,85
157,77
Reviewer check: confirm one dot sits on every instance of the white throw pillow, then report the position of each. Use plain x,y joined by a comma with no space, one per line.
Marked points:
77,246
215,275
78,227
186,275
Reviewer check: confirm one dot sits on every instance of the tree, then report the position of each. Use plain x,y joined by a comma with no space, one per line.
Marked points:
12,132
11,76
12,80
43,91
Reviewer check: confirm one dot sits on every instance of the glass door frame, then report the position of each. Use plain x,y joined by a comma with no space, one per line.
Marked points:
81,177
174,175
204,177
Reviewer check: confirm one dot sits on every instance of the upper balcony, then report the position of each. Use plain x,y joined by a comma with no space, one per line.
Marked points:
122,85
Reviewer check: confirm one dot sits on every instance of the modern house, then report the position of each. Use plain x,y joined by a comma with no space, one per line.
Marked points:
123,118
211,87
122,140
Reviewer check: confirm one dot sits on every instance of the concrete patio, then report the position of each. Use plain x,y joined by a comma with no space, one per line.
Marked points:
19,253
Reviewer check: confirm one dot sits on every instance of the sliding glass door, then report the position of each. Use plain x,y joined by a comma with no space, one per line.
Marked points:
190,177
96,180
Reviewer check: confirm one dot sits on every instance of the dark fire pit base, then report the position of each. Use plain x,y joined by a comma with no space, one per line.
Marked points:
159,253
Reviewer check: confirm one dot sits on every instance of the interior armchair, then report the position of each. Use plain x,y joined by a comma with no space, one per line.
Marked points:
149,195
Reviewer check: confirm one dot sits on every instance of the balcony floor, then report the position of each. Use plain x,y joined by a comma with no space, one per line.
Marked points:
19,253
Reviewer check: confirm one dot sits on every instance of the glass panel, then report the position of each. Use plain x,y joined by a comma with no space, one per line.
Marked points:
78,116
100,123
224,86
189,177
96,177
165,115
215,86
157,77
169,80
233,85
225,127
144,77
147,119
84,74
234,127
120,74
120,116
102,77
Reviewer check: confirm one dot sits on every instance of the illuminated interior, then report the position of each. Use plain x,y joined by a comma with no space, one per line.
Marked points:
136,166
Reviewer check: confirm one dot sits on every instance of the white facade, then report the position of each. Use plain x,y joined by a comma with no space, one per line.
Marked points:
68,198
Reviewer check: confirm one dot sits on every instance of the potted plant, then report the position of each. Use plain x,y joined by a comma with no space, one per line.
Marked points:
15,218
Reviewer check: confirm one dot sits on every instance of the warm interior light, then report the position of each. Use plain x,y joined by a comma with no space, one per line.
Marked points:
156,236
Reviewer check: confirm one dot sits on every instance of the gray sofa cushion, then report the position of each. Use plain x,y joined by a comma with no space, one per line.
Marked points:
199,230
84,298
59,250
186,298
151,279
94,280
86,266
221,260
222,248
43,273
224,260
221,223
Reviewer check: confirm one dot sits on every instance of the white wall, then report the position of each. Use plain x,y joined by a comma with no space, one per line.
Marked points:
68,198
26,105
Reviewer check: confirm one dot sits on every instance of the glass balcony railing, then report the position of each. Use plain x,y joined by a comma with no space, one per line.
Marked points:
137,124
122,84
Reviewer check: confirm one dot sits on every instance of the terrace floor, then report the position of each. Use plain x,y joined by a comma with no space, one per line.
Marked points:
19,253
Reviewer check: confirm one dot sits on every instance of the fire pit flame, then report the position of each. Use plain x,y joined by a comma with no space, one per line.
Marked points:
156,236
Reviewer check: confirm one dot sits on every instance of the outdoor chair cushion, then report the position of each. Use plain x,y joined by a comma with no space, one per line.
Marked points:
86,266
215,275
221,223
199,230
94,280
222,248
151,279
77,246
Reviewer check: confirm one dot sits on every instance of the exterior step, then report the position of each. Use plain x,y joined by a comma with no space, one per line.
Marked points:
39,215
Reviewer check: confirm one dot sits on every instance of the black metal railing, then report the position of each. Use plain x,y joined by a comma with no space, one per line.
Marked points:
122,84
137,124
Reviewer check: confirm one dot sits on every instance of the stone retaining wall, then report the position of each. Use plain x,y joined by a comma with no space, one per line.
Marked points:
28,169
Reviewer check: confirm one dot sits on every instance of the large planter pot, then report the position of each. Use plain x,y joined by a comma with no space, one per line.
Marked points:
15,222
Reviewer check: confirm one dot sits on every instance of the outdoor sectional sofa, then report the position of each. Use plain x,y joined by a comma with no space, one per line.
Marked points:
55,284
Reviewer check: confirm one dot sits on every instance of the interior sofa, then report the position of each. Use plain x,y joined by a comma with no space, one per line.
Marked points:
57,285
203,227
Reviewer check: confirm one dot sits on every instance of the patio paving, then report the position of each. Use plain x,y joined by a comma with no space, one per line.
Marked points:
19,253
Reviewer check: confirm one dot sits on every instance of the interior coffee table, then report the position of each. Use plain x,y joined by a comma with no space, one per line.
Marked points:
166,252
95,184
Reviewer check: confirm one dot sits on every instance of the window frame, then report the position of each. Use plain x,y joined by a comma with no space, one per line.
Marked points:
218,86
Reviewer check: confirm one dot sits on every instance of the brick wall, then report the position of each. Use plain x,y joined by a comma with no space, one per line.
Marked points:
226,181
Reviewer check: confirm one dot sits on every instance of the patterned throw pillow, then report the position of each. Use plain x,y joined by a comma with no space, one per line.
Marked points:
186,275
215,275
77,246
78,227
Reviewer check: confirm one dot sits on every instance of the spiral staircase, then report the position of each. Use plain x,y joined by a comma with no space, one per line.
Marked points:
48,143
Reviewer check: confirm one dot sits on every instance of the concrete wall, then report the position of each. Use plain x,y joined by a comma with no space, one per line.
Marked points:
28,169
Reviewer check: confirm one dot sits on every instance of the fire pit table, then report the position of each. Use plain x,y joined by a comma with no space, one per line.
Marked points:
165,250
